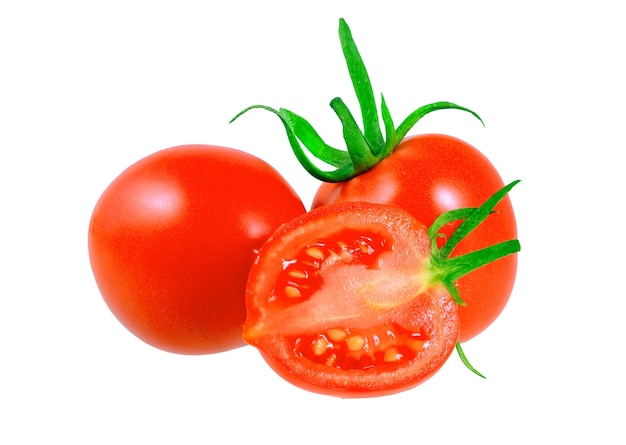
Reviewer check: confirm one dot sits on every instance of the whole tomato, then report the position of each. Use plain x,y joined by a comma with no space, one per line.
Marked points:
172,238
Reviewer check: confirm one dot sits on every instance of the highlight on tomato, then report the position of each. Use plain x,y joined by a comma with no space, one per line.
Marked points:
172,238
359,299
424,174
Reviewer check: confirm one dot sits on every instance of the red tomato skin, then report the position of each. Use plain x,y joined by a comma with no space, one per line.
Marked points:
270,330
428,175
172,238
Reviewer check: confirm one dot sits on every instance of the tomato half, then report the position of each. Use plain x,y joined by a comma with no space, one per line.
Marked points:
171,241
340,302
431,174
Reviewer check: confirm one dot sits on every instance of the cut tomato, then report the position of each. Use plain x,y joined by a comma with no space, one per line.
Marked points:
343,301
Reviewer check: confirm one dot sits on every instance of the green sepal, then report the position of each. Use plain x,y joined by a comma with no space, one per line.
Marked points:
447,218
465,361
362,88
298,129
361,155
390,129
364,148
416,115
448,270
475,219
460,266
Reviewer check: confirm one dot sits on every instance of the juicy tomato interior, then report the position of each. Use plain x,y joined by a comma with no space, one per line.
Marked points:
346,348
301,275
339,302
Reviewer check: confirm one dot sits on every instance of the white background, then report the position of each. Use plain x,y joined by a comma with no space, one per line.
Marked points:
87,88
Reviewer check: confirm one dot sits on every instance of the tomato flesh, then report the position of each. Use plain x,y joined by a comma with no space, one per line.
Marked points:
428,175
340,302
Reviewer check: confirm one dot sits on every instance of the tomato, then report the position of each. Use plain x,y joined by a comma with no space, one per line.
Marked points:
172,238
431,174
341,301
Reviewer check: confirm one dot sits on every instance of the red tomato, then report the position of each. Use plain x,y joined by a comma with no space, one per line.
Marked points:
428,175
340,302
171,241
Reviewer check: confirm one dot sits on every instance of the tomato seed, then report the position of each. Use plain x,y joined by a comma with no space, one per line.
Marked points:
392,355
292,292
415,344
366,249
320,345
297,274
344,348
315,252
330,361
337,335
355,343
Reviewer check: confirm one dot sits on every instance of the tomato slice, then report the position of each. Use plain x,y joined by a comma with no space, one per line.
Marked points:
340,302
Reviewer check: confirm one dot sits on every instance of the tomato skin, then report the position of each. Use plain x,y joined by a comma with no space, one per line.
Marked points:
350,300
172,238
428,175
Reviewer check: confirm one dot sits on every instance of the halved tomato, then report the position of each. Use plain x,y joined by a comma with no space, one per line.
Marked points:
342,301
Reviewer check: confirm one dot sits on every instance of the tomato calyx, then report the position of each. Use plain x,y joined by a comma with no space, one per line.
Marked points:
366,148
447,270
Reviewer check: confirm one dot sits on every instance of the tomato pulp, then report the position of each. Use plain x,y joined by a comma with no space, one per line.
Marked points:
340,301
431,174
171,241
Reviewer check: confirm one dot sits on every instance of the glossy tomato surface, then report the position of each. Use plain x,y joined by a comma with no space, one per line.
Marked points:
340,302
172,238
428,175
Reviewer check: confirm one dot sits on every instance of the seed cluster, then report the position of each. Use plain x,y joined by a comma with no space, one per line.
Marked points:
362,349
301,274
